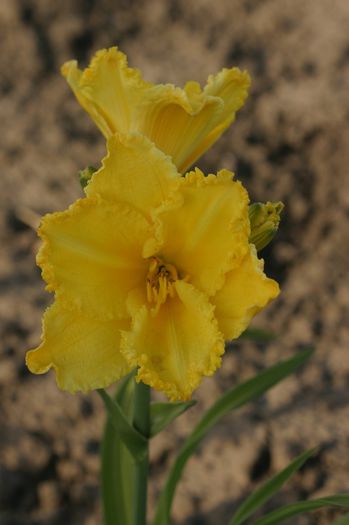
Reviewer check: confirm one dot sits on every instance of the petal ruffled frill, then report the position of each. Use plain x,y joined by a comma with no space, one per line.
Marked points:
246,291
231,87
134,172
91,255
175,346
83,351
183,123
108,89
178,120
203,230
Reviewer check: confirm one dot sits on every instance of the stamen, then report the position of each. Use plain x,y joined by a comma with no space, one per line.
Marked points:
160,279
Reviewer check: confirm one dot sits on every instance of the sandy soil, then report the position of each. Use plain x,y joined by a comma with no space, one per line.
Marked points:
290,142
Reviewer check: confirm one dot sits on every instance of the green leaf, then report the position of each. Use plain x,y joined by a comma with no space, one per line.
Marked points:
268,489
231,400
278,516
134,441
258,335
162,414
343,520
117,463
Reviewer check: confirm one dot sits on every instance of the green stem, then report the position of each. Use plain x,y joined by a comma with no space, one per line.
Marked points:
141,421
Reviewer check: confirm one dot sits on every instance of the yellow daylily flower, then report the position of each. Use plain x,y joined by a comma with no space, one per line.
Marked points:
153,274
183,123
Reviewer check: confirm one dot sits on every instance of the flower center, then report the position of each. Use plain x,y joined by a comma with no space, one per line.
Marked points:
160,282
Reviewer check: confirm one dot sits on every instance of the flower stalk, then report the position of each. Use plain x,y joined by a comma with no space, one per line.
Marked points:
141,421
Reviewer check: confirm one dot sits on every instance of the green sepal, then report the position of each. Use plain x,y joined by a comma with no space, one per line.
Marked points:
268,489
136,443
85,175
117,469
231,400
162,414
278,516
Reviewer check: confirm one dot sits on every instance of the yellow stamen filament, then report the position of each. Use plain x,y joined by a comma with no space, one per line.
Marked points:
160,282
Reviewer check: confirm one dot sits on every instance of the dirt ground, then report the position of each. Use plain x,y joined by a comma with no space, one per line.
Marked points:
289,143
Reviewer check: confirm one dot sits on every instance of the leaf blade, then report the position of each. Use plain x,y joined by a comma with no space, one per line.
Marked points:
275,517
258,335
232,400
162,414
268,489
134,441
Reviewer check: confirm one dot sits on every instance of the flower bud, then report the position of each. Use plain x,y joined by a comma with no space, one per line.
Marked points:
264,221
85,175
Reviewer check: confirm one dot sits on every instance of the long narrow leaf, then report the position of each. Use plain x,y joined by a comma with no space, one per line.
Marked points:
162,414
258,335
134,441
232,400
117,464
278,516
268,489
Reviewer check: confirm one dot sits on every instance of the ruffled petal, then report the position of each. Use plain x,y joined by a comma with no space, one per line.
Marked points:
83,351
134,172
204,229
246,291
175,347
91,255
183,123
178,120
108,89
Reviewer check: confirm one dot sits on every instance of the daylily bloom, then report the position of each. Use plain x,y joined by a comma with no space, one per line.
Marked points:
183,123
150,270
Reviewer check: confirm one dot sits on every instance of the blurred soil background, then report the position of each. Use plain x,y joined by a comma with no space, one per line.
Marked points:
290,142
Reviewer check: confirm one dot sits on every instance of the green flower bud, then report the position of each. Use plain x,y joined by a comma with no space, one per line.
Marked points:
85,175
264,221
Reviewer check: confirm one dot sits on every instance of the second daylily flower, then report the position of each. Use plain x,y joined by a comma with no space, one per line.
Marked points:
183,123
150,270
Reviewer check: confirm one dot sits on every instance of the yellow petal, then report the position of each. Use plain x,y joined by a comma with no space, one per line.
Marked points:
246,291
182,123
185,123
178,121
134,172
108,89
231,87
91,255
83,351
178,345
204,230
